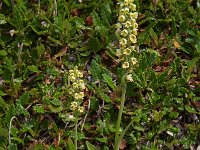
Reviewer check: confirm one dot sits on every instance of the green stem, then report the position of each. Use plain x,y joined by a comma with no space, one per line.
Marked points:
55,8
12,7
76,127
38,6
123,98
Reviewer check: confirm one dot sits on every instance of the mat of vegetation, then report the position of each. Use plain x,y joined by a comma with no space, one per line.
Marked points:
40,41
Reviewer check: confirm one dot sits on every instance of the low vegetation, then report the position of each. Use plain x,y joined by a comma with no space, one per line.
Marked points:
65,84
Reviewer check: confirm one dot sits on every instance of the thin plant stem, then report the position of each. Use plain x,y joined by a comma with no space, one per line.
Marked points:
76,128
10,126
55,8
12,7
38,6
123,98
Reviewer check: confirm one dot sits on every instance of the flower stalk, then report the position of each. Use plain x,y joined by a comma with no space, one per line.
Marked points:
126,32
123,98
76,90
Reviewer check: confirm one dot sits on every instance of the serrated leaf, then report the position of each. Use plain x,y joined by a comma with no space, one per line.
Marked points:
10,113
99,27
24,98
108,80
90,146
153,34
21,110
95,70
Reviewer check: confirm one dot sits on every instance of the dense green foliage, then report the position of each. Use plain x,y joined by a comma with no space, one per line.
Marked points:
40,41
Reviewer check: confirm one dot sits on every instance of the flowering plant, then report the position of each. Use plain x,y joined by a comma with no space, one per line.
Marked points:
77,86
127,28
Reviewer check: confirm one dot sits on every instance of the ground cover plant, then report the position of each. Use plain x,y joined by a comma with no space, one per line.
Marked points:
100,74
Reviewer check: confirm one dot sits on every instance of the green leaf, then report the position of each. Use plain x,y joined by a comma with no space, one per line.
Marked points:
4,133
40,49
70,144
108,80
157,115
90,146
12,146
56,102
95,70
19,140
2,93
21,110
39,109
3,53
24,98
99,27
153,34
33,68
93,44
139,128
190,109
3,104
10,113
102,140
105,97
3,22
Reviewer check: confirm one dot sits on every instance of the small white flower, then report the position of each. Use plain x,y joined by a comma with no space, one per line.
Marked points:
118,25
128,24
135,25
126,10
134,15
12,32
129,78
118,53
132,7
127,51
121,18
73,106
75,85
122,11
76,96
133,38
123,42
79,74
133,21
125,65
134,60
81,109
71,117
81,95
134,31
132,48
126,2
124,32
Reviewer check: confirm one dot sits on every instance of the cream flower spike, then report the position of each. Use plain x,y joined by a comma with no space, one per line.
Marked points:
127,31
